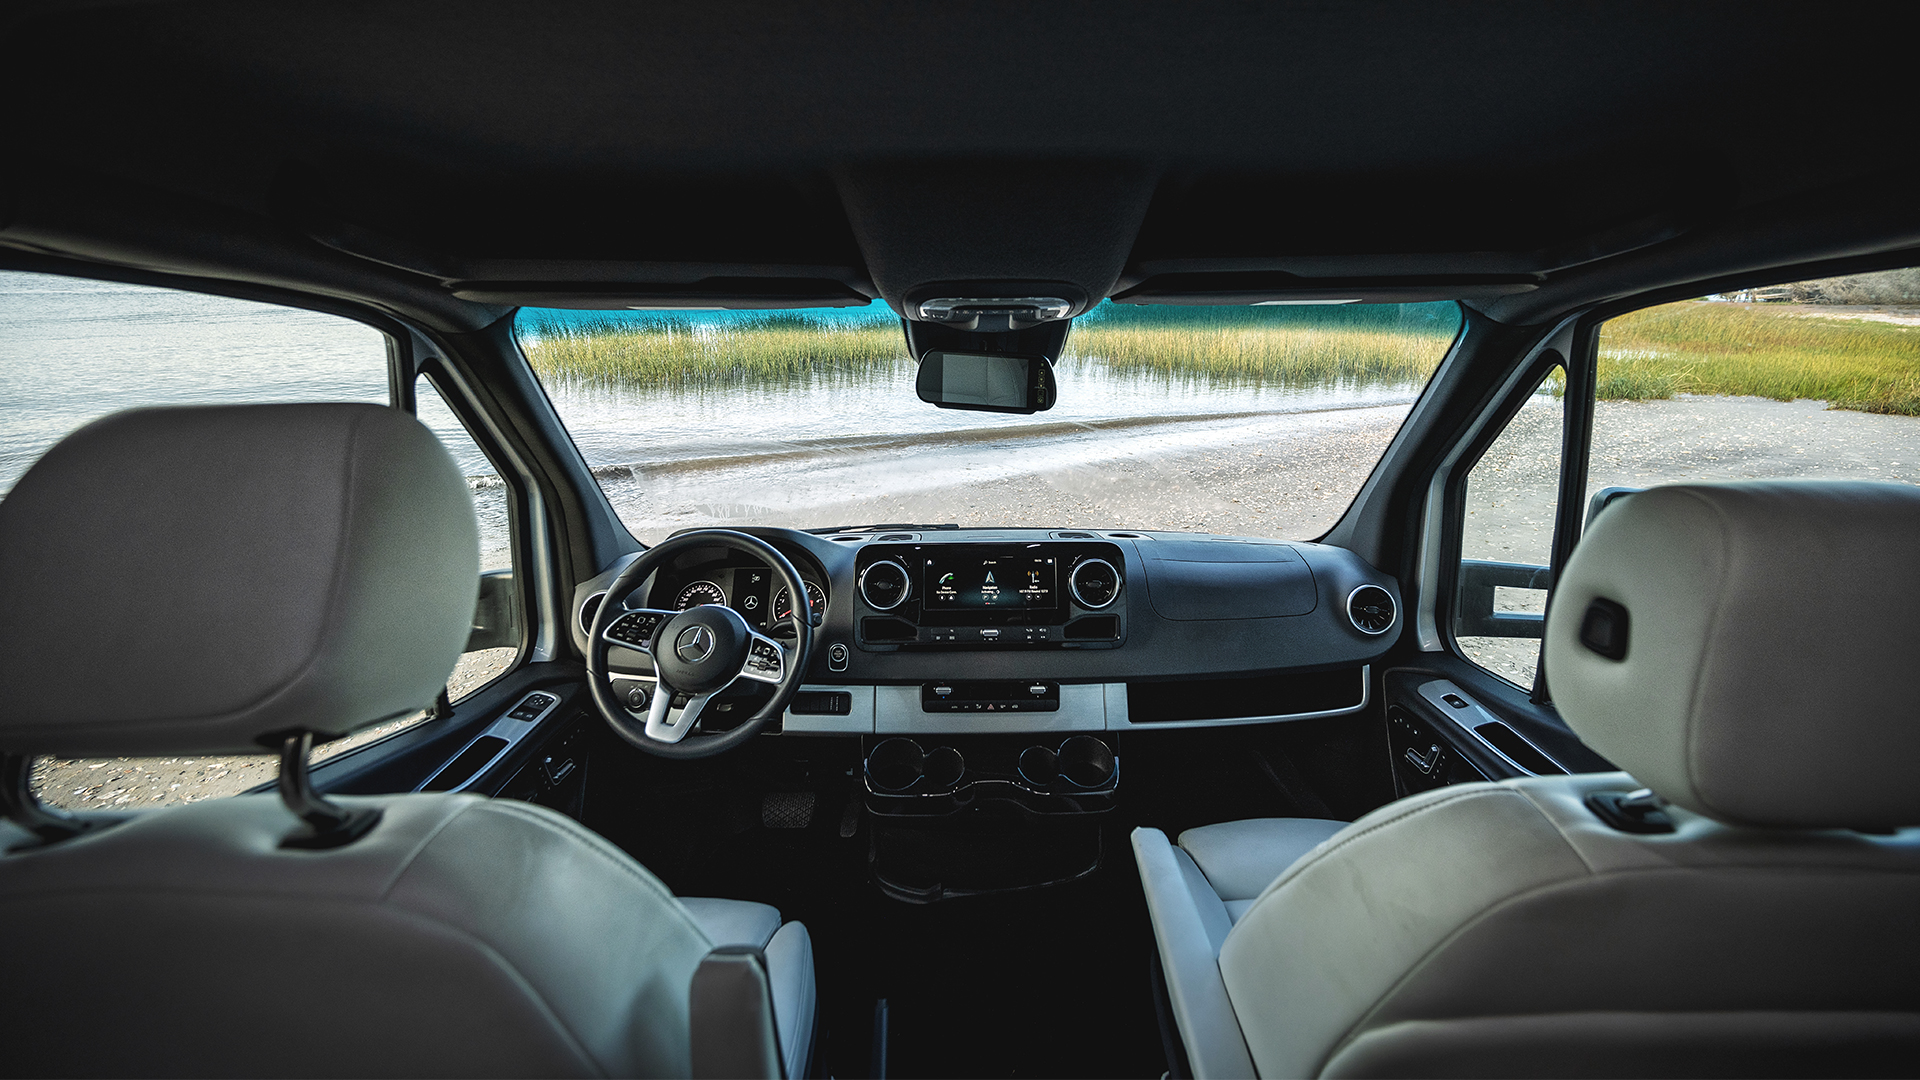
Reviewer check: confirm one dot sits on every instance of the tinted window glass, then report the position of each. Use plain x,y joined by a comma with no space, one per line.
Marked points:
73,350
1506,541
1817,379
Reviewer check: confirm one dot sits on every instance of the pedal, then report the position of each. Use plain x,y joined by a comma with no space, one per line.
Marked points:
850,817
787,809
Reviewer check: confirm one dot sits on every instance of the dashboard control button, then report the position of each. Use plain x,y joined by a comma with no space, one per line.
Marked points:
837,656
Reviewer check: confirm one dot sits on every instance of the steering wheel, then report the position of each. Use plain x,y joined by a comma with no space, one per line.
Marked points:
697,653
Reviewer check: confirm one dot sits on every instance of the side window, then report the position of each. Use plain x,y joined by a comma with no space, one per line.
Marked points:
496,632
73,350
1506,538
1816,379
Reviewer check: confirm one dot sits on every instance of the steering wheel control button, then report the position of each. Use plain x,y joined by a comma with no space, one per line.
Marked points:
837,656
1094,583
885,585
764,660
635,628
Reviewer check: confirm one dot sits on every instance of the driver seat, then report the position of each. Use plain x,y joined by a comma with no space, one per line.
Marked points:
215,581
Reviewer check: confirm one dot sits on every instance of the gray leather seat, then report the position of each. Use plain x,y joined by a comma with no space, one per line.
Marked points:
208,581
1769,633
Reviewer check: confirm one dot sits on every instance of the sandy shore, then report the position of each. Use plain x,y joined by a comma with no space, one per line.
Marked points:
1290,485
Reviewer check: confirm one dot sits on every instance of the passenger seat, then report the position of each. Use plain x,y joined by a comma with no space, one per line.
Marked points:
1745,651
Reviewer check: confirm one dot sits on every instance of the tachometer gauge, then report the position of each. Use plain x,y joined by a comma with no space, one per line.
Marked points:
700,592
783,602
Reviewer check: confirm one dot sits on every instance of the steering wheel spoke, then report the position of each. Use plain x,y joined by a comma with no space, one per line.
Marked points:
670,725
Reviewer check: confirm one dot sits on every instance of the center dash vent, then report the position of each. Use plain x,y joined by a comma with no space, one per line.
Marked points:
1073,535
895,536
1371,608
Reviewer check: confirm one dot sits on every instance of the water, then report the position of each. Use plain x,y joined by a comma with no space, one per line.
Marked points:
72,350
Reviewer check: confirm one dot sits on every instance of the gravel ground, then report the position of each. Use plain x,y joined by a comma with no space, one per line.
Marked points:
1287,487
1644,443
1290,484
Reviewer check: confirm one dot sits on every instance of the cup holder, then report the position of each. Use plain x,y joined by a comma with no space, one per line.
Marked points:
1082,761
901,766
896,765
1039,766
943,768
1085,761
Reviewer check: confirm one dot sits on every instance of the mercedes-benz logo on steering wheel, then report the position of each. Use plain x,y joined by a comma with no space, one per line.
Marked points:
694,644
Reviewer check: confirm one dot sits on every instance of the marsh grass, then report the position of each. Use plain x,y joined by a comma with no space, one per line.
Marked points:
681,352
1696,347
1282,356
1692,347
1293,349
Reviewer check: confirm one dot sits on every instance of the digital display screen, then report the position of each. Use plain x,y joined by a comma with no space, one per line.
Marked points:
973,581
750,597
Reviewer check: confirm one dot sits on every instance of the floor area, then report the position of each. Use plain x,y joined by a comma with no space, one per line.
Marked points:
1048,981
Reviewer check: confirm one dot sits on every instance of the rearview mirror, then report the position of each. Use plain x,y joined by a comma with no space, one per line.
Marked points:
987,383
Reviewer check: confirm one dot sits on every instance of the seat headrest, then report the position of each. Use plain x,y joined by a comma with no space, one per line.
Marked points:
1766,636
207,579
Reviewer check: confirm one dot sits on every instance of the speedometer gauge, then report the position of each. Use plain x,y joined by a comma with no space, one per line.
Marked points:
783,602
700,592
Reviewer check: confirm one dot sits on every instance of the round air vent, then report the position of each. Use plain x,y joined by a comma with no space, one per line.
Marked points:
1371,609
1094,582
885,585
588,608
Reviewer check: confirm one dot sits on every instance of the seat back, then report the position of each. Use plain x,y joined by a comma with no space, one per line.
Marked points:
211,581
1740,648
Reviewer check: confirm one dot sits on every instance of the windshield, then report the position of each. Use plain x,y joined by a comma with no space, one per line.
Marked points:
1255,421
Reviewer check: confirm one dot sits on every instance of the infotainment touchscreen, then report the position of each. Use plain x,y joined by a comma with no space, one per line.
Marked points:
964,580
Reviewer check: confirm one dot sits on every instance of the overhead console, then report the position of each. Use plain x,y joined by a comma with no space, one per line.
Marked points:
1051,594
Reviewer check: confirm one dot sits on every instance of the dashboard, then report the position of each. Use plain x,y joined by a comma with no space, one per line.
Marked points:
1029,630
